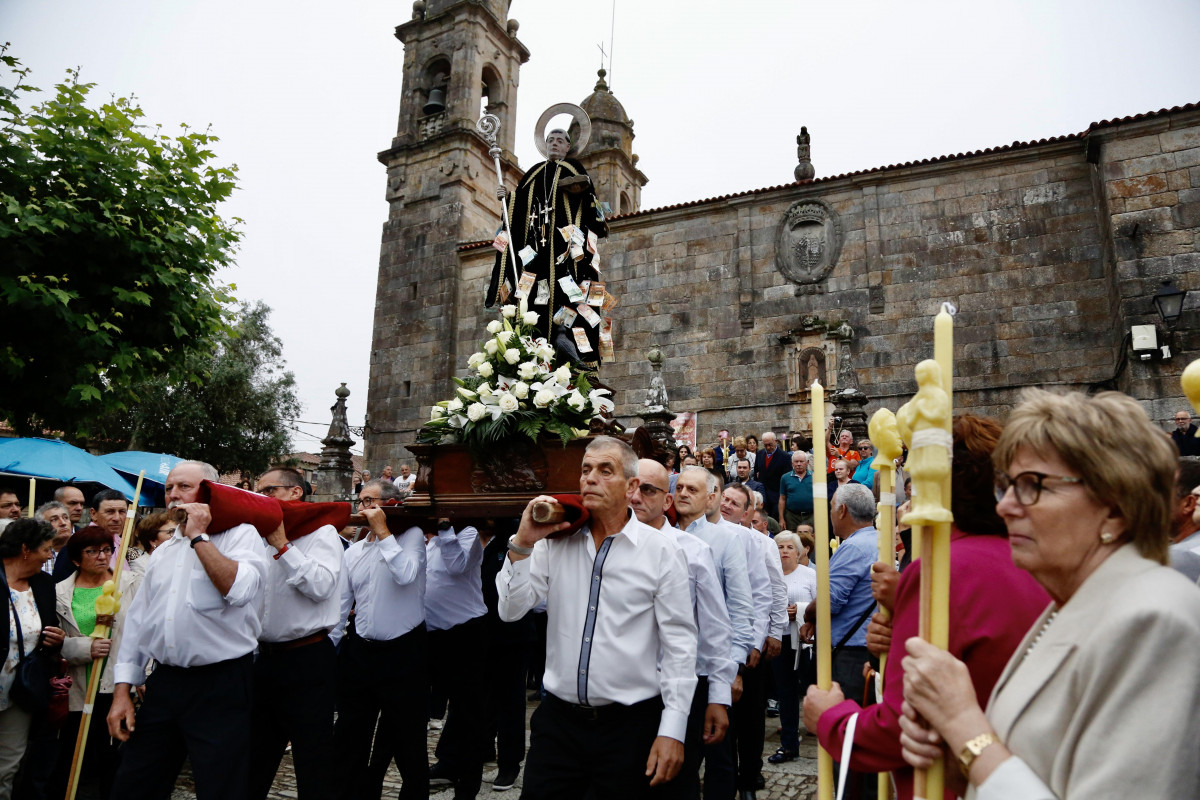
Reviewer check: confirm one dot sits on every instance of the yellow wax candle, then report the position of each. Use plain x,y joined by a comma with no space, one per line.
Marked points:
821,529
938,561
32,489
943,351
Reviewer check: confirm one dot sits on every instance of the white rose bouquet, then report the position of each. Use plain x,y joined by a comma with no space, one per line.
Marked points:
516,385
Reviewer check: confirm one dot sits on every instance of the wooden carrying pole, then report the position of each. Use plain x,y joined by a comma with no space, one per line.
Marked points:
32,492
821,529
935,551
102,632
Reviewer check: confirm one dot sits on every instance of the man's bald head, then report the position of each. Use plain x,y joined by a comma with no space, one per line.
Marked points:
652,498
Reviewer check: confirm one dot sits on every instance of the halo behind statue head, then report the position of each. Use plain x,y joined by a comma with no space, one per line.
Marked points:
581,119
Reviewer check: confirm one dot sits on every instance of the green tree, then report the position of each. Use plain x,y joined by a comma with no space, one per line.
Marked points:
230,407
110,241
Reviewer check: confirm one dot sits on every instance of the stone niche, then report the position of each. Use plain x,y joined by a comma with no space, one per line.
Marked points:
813,351
808,243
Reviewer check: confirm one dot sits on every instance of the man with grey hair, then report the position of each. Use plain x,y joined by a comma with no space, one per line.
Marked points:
59,516
850,599
197,615
617,604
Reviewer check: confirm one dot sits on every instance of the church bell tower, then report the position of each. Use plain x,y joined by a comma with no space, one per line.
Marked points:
461,58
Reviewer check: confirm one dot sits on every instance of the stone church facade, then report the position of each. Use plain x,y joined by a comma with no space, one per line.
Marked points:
1051,251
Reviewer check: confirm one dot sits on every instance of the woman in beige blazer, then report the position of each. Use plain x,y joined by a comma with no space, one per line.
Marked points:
1101,699
90,550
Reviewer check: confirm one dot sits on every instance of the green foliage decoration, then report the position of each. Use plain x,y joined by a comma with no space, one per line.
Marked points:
110,242
235,416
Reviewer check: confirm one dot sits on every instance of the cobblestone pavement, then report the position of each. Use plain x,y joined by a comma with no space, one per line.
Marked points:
796,780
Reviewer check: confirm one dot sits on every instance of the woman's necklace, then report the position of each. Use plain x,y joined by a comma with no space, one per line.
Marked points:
1041,632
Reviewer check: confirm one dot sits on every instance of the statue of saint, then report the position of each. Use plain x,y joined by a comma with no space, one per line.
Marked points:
553,200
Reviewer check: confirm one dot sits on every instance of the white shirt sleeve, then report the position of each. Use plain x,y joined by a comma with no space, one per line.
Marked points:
456,548
779,603
716,633
677,640
522,585
347,596
132,659
404,555
760,588
739,601
314,571
244,545
1013,780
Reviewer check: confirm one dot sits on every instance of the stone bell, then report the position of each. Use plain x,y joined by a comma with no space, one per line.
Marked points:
436,102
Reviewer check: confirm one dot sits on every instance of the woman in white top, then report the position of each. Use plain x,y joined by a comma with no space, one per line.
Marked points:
801,582
25,544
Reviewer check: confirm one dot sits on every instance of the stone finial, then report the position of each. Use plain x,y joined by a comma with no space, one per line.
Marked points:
601,86
513,26
657,416
418,9
656,401
335,475
804,170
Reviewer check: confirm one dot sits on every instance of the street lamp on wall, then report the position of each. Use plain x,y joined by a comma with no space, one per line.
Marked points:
1168,302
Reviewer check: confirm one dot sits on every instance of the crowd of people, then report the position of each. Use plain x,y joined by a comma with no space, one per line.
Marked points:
665,627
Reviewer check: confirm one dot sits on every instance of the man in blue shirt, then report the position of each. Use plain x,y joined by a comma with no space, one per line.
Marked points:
850,599
796,494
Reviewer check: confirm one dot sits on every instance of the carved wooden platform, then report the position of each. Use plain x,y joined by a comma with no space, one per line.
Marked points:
453,482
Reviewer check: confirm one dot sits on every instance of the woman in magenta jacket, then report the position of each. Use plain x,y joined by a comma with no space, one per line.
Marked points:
992,606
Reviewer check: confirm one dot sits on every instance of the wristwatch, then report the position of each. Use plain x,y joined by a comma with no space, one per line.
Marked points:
200,537
973,749
516,548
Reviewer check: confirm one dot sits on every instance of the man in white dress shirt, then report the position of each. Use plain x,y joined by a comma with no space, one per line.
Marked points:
301,605
716,668
197,615
455,615
381,667
616,594
748,721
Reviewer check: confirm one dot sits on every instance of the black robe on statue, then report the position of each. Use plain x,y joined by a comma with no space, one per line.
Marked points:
542,187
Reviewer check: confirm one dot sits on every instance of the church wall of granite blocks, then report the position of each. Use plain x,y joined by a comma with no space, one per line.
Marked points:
1050,251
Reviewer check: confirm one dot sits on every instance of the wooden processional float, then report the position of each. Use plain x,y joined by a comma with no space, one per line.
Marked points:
924,425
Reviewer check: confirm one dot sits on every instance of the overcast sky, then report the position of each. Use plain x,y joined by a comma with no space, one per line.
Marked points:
304,95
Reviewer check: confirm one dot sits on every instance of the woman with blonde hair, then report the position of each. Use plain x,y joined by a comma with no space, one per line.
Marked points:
1100,698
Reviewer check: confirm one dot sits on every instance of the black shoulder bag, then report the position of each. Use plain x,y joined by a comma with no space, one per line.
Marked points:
31,685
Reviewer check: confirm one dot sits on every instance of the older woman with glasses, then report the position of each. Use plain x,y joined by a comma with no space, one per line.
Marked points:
91,550
1100,698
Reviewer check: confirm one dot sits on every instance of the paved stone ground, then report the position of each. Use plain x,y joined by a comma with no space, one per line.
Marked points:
796,780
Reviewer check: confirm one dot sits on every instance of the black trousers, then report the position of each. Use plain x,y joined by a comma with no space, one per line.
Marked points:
686,785
603,750
455,674
101,757
748,726
201,713
384,682
508,659
294,695
848,672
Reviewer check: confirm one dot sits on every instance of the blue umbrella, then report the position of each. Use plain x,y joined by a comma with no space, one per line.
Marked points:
58,461
156,465
131,462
